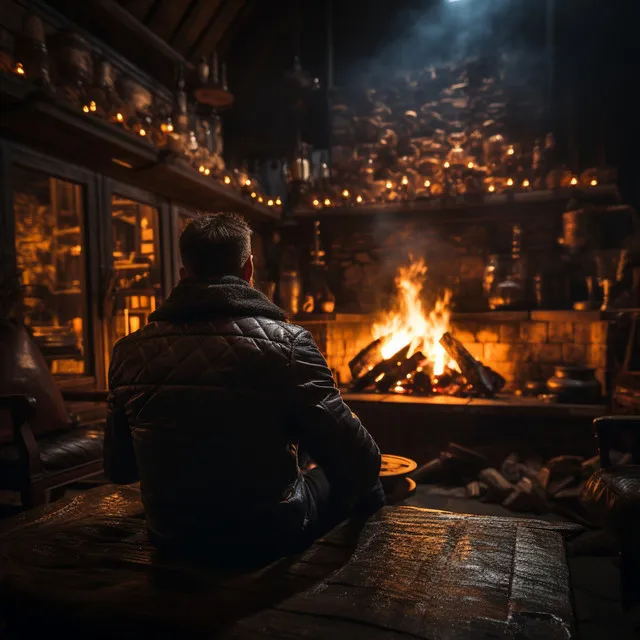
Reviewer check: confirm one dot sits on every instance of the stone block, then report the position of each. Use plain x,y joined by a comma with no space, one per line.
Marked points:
464,331
597,355
509,332
488,333
548,353
560,332
476,349
497,352
574,353
582,332
534,332
506,369
599,332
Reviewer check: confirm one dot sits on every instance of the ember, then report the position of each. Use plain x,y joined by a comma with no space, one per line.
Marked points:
413,351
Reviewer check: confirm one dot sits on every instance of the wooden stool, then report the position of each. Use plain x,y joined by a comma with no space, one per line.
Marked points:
393,475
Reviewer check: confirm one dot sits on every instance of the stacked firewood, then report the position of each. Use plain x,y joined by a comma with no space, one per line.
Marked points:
438,132
410,372
520,483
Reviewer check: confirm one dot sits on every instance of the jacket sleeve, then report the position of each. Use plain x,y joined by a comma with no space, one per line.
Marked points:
120,464
328,430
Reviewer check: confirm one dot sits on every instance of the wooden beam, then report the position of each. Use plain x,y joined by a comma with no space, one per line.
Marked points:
195,14
240,20
113,14
216,27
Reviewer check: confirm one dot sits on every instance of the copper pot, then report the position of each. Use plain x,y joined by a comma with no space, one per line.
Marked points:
575,385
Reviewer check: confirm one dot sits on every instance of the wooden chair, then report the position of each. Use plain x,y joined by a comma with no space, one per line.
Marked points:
612,495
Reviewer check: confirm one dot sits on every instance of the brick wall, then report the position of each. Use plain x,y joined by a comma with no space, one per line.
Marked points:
518,345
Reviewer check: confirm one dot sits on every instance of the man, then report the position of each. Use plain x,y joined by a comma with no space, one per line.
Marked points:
212,402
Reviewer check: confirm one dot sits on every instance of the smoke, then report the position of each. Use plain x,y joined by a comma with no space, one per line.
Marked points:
437,32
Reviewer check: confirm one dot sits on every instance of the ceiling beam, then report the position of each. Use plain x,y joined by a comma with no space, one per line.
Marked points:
240,20
215,29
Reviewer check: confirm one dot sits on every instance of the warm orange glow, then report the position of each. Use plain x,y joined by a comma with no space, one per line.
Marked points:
446,165
574,181
85,108
470,165
510,182
254,194
119,117
19,69
411,324
389,184
359,199
491,188
143,132
278,201
405,180
227,180
261,199
594,183
427,183
345,193
169,127
92,106
207,172
525,183
270,203
327,202
247,183
316,202
201,168
510,151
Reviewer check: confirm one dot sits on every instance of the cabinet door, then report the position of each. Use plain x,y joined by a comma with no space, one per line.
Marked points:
49,222
137,265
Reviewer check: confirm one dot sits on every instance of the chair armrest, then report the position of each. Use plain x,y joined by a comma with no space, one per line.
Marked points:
606,427
23,409
90,395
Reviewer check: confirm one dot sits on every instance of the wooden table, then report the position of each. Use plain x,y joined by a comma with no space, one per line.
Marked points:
83,568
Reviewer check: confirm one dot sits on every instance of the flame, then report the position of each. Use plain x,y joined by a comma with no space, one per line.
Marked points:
411,324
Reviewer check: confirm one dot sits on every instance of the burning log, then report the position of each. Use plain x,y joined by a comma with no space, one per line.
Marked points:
367,359
380,371
398,373
477,375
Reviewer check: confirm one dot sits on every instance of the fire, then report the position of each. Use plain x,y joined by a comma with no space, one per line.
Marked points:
411,324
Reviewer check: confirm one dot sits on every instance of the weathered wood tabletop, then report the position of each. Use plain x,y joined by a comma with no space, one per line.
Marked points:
83,567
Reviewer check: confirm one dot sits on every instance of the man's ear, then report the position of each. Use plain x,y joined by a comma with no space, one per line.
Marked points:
183,273
247,270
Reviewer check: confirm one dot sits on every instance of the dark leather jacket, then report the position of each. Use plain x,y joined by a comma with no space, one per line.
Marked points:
208,406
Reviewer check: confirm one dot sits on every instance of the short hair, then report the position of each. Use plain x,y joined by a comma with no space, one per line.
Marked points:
215,245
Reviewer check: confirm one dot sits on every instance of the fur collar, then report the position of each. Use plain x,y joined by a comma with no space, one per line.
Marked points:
192,301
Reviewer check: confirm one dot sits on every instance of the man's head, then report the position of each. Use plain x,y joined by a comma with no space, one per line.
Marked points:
216,245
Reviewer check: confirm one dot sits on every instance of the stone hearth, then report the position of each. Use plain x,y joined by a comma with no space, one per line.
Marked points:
519,345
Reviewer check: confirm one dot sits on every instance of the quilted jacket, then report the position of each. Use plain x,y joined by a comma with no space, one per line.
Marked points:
210,403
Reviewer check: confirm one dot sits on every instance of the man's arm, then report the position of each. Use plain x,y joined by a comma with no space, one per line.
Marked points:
328,430
120,464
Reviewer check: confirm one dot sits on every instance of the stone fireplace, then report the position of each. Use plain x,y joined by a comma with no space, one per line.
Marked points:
519,345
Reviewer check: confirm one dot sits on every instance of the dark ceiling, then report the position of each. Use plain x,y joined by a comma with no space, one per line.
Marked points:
257,40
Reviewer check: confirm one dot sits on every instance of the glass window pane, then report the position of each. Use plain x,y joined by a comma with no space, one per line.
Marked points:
49,222
136,262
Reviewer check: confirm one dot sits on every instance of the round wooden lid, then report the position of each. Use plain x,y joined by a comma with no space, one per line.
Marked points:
396,466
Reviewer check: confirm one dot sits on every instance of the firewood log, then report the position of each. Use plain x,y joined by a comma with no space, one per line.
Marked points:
367,359
474,372
496,482
382,368
399,372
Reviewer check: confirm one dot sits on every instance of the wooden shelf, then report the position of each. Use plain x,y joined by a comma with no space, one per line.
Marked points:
458,208
55,128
